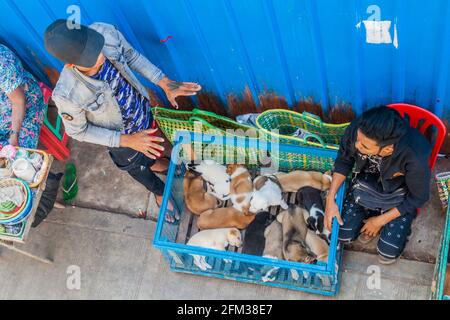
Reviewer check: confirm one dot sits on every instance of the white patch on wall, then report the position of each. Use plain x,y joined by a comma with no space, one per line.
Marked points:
377,30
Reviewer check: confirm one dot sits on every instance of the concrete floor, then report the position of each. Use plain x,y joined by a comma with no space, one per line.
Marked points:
112,247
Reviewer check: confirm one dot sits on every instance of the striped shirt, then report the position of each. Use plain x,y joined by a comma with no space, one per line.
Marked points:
135,108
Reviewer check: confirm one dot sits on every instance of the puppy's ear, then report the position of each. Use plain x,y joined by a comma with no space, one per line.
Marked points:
299,197
246,210
234,232
259,182
231,168
281,215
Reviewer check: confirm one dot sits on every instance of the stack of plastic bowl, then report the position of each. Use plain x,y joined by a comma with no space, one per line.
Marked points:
10,213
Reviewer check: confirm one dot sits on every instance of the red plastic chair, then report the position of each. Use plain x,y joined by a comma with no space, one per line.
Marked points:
53,138
416,114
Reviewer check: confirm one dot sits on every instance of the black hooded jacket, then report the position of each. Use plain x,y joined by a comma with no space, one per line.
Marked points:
407,166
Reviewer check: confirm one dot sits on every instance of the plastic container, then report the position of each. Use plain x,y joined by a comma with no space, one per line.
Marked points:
171,239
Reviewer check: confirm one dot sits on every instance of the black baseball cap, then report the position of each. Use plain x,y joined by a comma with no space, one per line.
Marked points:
73,43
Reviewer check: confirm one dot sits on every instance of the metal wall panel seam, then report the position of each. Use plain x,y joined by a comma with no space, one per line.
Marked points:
47,8
218,80
278,44
180,71
441,81
360,93
398,71
318,48
231,15
38,38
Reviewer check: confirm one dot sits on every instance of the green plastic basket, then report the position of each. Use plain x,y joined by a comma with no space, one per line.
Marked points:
170,121
323,134
253,153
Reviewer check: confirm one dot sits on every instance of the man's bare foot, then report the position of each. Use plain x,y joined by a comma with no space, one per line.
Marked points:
161,165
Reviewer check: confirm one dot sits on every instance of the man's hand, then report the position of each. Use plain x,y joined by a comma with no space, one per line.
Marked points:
331,211
143,142
175,89
373,226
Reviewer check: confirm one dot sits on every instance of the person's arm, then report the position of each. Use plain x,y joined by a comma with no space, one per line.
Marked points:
148,70
417,179
18,102
77,127
343,165
331,207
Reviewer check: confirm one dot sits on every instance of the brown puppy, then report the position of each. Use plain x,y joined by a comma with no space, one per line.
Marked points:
241,187
224,218
317,245
196,198
294,235
294,180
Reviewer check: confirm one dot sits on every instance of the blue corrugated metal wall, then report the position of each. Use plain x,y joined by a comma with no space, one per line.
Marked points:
299,49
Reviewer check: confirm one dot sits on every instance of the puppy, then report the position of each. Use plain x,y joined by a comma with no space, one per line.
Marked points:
227,217
218,239
267,192
310,198
216,175
241,187
273,248
294,180
254,239
318,246
196,198
294,235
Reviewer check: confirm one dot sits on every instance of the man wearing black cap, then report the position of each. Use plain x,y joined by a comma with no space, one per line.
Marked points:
102,102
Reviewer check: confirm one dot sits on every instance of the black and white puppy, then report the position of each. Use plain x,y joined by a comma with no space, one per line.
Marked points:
254,239
310,199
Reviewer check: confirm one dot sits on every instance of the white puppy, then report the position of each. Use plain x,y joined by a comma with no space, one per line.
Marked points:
218,239
267,192
216,176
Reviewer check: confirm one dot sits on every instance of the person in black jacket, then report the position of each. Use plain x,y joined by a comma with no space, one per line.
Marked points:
381,148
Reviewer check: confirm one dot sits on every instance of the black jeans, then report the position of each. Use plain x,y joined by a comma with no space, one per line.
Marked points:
138,166
393,236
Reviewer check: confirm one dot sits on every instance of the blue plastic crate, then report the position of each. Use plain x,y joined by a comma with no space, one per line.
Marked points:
443,258
171,239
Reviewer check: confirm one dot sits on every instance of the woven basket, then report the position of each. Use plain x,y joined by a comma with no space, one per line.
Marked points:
324,135
171,121
44,168
5,216
253,152
443,185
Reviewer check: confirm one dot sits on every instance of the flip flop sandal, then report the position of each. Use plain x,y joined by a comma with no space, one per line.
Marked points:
70,185
171,216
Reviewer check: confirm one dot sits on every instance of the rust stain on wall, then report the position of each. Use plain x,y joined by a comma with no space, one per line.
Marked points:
52,75
211,102
340,114
242,105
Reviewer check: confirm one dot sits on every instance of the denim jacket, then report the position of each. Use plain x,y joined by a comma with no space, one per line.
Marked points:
88,108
